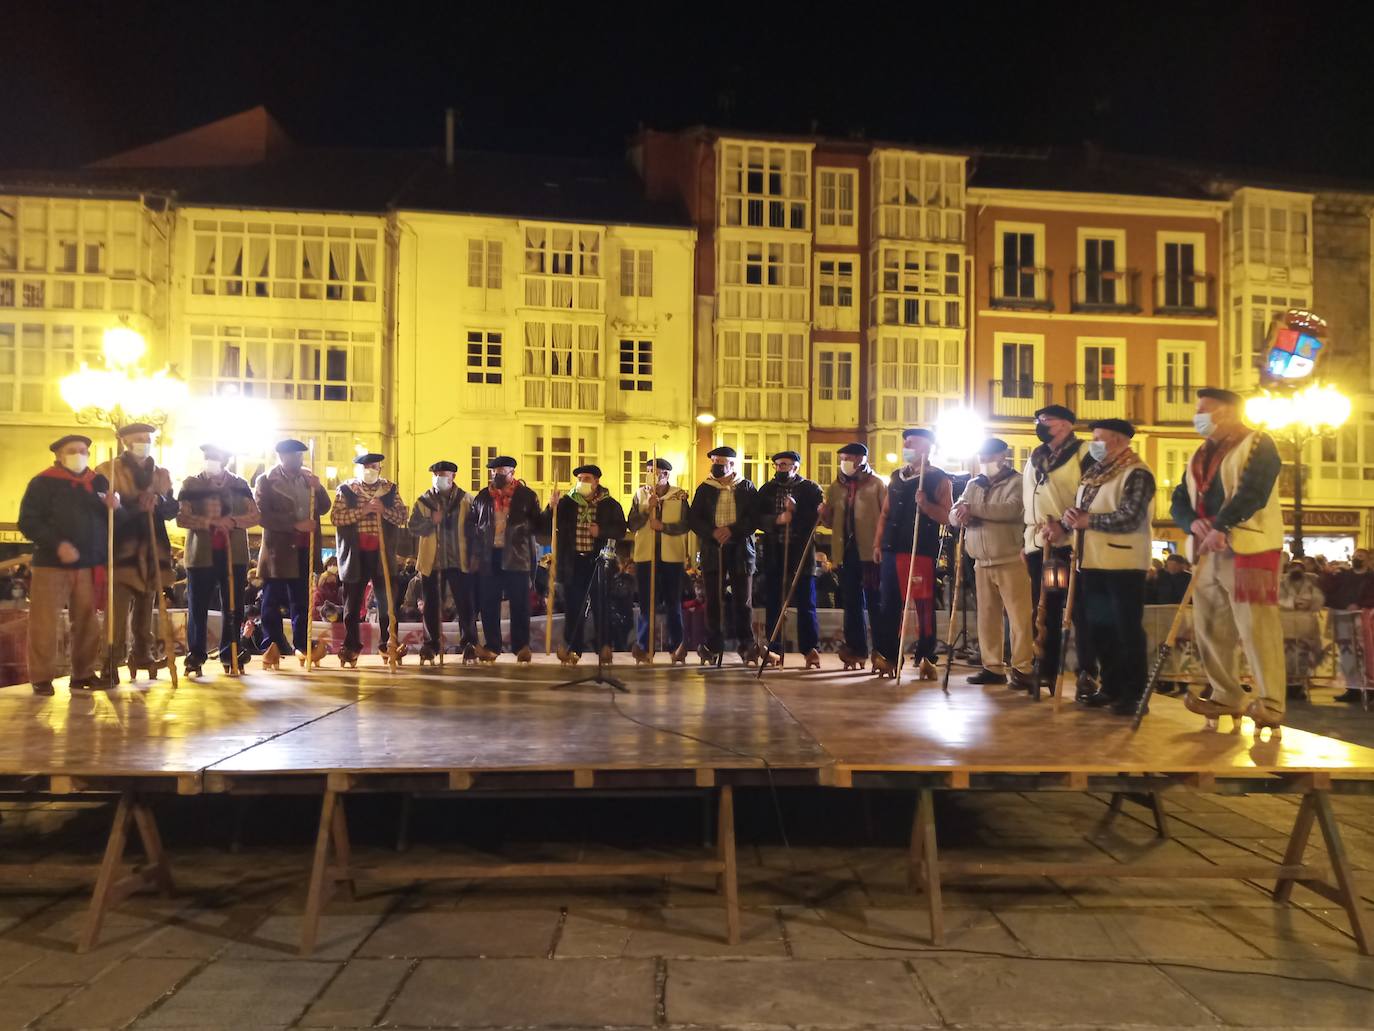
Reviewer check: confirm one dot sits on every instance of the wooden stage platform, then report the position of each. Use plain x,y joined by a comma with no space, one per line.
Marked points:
503,728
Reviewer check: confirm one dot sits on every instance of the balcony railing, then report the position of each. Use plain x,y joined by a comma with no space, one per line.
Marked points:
1019,397
1178,293
1105,400
1021,286
1115,290
1175,404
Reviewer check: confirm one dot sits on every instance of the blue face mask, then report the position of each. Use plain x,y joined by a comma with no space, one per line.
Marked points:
1202,422
908,456
1098,449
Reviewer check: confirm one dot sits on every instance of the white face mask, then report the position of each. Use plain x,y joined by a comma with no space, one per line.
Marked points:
991,468
371,475
909,456
584,488
1098,449
848,466
443,482
76,463
213,468
142,450
1202,422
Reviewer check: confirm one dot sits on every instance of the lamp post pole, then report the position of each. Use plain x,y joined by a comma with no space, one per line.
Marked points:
1299,440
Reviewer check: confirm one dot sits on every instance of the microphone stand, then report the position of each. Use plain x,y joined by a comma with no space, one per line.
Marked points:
600,676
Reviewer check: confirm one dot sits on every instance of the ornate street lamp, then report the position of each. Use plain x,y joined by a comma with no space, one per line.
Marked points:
1312,412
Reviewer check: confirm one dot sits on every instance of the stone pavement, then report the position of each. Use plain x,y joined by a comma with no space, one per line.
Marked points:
831,937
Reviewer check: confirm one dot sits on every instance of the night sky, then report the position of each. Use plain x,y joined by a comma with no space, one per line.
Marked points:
1256,83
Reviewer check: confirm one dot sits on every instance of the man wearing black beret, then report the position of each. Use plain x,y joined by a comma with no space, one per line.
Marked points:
853,510
64,512
439,518
787,509
1228,504
722,517
505,519
658,520
368,513
585,519
1111,520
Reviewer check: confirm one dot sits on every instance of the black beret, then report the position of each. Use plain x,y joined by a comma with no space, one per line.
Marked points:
368,458
1057,412
71,438
594,470
501,461
288,446
443,467
216,452
786,454
661,463
137,427
855,449
992,446
919,431
724,451
1115,425
1226,397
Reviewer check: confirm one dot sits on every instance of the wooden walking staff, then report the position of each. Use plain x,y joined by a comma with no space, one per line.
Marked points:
906,587
310,565
653,558
553,573
163,620
951,635
110,559
392,649
1066,623
1167,646
791,590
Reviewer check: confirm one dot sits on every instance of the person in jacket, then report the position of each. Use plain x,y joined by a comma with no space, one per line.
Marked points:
143,552
787,508
585,519
1111,512
1171,585
64,512
439,518
721,516
216,509
852,510
658,520
367,513
283,496
1228,503
992,519
1303,600
908,576
1049,483
503,522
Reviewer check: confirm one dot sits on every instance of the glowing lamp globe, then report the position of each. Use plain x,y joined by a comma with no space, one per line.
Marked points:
123,347
959,432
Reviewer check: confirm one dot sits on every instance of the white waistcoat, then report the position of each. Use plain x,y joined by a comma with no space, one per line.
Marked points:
1130,550
1263,531
1048,499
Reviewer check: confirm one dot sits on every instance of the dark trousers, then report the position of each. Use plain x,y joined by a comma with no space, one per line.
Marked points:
894,606
586,599
514,584
292,594
734,575
203,583
369,571
1054,618
804,599
668,593
862,603
1114,616
432,586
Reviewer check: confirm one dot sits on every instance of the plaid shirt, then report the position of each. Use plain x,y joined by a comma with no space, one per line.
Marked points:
725,507
586,516
345,514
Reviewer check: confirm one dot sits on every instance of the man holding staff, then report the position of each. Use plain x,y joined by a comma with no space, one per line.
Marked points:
853,510
367,512
505,517
991,515
290,545
919,497
584,518
1111,517
658,520
722,518
1048,487
439,518
788,508
1228,503
216,510
142,551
